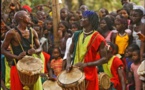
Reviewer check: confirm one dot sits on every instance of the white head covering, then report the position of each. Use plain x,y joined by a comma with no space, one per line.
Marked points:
139,7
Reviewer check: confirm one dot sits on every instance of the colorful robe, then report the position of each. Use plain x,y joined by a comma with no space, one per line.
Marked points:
111,69
90,56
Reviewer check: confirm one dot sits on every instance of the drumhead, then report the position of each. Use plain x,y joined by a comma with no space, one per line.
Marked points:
30,65
104,81
70,77
51,85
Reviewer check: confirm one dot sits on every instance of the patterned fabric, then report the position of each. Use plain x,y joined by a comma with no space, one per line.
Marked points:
56,65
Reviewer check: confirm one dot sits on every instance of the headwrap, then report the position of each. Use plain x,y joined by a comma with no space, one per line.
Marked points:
28,8
92,17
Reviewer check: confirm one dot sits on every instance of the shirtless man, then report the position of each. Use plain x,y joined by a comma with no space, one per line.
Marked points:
20,39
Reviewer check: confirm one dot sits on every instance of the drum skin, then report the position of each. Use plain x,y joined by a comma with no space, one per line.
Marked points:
104,81
51,85
73,80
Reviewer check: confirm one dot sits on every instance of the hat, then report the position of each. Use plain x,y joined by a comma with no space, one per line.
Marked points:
139,7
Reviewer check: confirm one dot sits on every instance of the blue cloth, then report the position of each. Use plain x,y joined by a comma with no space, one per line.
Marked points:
128,62
2,67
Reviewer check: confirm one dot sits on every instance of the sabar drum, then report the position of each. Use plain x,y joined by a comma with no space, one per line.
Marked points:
51,85
73,80
29,68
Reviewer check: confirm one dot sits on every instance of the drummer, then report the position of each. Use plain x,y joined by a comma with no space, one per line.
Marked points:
20,40
86,44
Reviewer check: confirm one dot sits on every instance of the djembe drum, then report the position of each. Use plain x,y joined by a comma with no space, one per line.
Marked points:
29,69
104,81
51,85
73,80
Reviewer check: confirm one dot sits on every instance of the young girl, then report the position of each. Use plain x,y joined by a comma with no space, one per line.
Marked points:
134,66
63,35
125,13
114,69
121,38
106,25
56,64
48,33
137,27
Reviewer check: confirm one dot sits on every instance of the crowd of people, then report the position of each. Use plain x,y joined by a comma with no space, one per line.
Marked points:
95,41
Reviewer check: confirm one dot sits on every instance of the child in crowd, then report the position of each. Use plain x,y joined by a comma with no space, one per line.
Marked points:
103,12
79,14
72,18
125,13
56,64
106,25
48,33
64,14
121,38
134,66
63,35
115,70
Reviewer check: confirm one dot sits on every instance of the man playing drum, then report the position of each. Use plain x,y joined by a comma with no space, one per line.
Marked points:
20,40
86,44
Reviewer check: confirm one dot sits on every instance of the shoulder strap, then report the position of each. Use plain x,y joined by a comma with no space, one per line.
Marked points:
31,30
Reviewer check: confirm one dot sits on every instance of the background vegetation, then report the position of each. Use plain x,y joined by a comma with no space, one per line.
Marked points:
111,5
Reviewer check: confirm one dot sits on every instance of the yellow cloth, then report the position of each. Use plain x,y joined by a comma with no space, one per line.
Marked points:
81,48
122,43
38,84
107,67
7,74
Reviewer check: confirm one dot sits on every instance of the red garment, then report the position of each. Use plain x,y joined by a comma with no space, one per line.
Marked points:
28,8
47,58
14,78
91,72
114,70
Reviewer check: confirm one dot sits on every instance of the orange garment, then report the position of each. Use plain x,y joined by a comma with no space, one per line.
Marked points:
122,42
56,65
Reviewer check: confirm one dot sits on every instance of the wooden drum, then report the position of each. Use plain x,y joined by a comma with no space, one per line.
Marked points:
51,85
29,69
104,81
73,80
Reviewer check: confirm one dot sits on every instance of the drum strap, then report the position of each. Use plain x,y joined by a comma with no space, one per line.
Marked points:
88,47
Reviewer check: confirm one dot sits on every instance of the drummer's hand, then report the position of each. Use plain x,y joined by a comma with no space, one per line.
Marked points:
21,55
81,65
31,51
68,68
